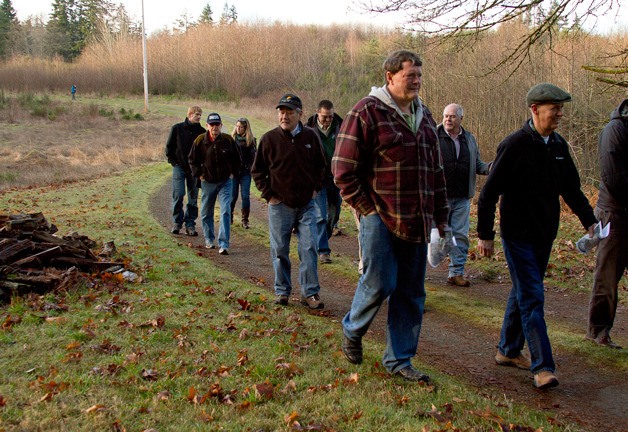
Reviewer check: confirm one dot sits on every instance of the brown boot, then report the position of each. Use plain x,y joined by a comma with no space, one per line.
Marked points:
245,217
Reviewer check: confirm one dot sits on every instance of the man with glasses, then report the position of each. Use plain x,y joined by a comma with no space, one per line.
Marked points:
178,147
288,170
327,123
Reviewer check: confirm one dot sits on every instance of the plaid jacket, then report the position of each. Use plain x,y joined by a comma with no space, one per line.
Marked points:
381,165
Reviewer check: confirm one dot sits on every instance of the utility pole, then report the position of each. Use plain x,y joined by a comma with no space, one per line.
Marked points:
145,62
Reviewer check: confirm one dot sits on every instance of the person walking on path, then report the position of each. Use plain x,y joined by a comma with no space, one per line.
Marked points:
461,159
215,160
388,167
531,171
247,146
612,206
178,147
327,123
73,91
288,170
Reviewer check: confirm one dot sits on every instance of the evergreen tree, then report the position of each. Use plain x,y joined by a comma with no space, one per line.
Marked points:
229,15
8,26
63,30
206,15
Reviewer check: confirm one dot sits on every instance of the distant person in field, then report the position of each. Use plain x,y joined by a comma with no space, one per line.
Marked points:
215,160
388,167
178,147
288,170
612,206
73,91
531,171
247,146
461,159
327,123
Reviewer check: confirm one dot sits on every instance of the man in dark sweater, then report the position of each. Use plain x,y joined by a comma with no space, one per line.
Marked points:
531,171
288,170
461,160
327,123
178,147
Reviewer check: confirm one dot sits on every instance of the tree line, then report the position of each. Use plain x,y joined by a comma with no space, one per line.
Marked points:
74,24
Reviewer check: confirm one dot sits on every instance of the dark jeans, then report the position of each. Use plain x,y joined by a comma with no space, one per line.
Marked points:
612,260
524,319
180,182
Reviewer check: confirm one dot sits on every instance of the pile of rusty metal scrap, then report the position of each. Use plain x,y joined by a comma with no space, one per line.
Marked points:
33,259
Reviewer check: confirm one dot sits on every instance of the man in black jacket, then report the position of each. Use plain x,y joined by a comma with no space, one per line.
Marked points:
214,160
178,146
612,206
531,171
288,170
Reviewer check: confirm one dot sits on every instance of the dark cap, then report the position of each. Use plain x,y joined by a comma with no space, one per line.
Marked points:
546,93
290,101
213,118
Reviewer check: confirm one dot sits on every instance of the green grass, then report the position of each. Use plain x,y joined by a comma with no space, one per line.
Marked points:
108,363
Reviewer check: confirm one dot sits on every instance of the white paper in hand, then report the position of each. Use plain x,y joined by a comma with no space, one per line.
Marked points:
586,243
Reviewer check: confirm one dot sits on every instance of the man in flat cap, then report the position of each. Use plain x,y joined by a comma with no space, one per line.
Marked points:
288,170
532,169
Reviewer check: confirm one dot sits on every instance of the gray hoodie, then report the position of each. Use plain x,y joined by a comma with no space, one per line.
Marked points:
382,94
613,154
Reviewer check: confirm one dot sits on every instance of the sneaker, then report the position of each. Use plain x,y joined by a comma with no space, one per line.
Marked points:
545,380
313,302
409,373
175,229
223,251
352,350
281,299
458,280
521,361
210,245
603,341
191,232
325,258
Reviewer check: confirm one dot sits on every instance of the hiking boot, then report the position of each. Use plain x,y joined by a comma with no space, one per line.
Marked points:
325,258
409,373
313,302
190,231
281,299
545,380
209,245
521,361
458,280
175,229
223,251
352,350
245,217
603,341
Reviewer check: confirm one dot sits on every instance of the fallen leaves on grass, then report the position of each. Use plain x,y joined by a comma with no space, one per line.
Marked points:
95,408
10,321
149,374
3,401
106,347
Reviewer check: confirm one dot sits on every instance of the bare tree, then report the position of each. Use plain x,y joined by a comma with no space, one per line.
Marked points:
452,18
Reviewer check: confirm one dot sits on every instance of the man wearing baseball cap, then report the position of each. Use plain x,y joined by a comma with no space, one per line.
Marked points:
288,170
214,159
531,171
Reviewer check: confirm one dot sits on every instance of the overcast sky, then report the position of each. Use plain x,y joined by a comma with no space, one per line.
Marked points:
163,13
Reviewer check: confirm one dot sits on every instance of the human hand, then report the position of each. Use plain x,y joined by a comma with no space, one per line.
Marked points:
591,230
486,248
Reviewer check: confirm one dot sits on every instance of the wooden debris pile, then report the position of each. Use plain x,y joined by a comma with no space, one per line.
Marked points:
33,259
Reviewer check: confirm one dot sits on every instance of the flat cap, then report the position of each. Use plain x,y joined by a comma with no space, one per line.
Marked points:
546,93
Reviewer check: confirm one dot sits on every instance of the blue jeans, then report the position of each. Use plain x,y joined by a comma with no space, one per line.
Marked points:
242,181
524,317
281,220
393,269
179,183
459,210
321,222
211,191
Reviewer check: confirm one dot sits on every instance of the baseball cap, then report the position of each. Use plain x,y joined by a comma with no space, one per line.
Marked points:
290,101
213,118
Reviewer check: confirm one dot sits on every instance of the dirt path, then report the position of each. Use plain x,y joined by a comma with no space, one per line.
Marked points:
596,399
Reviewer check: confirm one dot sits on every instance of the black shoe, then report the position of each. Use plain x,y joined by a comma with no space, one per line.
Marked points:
175,229
281,299
352,350
191,232
409,373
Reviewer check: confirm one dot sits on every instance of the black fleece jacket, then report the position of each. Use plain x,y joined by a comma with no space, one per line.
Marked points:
530,176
